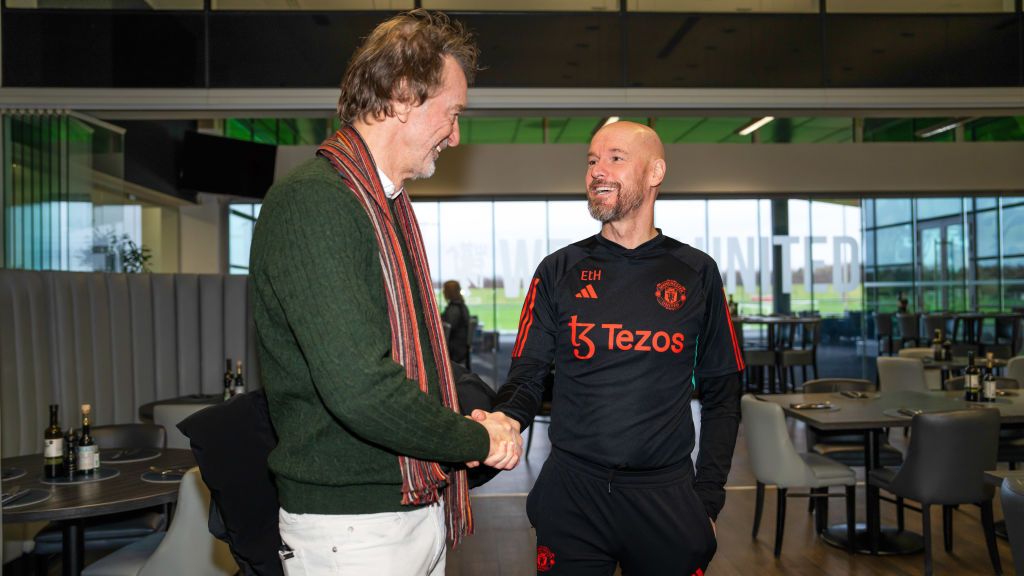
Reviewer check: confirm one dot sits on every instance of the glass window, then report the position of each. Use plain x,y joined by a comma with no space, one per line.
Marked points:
892,211
895,245
1013,223
984,203
569,221
684,220
524,5
108,4
918,6
428,214
1013,268
520,241
241,220
762,6
995,129
467,255
734,244
312,5
987,234
935,207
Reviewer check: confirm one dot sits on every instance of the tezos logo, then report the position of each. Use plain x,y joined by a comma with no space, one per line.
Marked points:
545,559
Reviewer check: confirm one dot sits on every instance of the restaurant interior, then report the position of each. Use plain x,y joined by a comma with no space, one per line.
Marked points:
854,167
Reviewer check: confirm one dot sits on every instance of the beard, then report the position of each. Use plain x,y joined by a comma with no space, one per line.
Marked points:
627,199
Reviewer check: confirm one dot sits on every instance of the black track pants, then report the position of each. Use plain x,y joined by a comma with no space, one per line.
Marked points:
588,518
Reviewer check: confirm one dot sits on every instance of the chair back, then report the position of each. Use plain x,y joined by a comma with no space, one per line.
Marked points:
168,416
919,352
772,455
948,455
900,374
130,436
910,325
1015,369
1012,495
188,547
883,324
933,322
838,385
1002,383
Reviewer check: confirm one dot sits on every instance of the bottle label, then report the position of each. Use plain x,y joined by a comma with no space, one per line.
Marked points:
989,389
971,381
88,457
53,448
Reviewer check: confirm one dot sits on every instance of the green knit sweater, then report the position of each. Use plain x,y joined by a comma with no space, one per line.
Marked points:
342,408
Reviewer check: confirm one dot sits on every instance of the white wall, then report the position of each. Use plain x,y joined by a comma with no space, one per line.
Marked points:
202,229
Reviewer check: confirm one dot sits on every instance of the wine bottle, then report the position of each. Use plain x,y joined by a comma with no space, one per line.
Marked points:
947,349
70,453
53,447
229,381
972,379
239,380
937,353
988,382
88,451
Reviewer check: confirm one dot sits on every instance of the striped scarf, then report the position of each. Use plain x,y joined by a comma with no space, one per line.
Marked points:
421,480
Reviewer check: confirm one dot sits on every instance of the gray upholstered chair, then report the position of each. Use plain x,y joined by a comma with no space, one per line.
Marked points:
168,416
910,328
842,446
883,332
933,376
186,548
800,348
114,530
1015,369
775,461
945,465
900,374
1012,495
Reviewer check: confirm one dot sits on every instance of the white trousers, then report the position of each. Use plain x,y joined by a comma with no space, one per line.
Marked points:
385,544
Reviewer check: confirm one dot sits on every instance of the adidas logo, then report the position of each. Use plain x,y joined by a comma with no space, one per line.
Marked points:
587,292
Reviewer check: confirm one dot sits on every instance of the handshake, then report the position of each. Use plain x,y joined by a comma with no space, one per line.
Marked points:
506,441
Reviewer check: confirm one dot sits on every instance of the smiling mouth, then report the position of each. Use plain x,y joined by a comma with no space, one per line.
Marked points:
601,189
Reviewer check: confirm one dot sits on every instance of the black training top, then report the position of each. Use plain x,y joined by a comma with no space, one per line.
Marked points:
629,332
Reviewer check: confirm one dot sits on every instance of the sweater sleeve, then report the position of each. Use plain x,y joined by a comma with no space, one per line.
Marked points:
326,274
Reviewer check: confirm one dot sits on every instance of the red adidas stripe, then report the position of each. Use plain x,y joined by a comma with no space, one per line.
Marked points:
590,291
525,320
737,353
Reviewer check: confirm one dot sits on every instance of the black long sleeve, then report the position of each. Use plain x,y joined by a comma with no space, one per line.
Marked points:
719,425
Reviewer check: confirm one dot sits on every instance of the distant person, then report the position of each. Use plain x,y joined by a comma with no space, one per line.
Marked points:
456,314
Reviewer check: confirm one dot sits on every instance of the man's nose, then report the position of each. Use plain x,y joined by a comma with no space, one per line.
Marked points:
453,138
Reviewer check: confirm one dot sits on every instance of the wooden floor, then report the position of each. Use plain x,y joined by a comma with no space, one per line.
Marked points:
504,543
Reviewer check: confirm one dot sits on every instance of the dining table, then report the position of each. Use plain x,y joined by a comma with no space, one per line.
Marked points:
870,413
125,481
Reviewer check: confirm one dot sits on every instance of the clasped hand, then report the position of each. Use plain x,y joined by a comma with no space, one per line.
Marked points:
506,441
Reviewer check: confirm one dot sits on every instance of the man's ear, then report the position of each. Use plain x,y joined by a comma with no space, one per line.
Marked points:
656,172
401,101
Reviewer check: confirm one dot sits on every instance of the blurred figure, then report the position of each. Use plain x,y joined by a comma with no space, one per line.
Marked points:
456,314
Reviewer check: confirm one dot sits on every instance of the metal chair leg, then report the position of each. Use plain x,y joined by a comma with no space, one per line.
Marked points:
780,521
988,523
758,508
947,528
851,518
926,533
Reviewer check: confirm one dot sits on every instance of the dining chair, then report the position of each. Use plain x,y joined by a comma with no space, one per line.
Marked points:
933,322
186,548
762,363
900,374
910,328
883,331
1015,369
1012,495
800,348
114,530
775,460
841,446
1006,339
945,465
932,378
168,416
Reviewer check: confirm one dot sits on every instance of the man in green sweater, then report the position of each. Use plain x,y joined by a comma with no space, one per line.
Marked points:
370,465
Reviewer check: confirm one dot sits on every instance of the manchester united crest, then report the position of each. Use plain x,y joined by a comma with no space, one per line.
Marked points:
545,559
671,295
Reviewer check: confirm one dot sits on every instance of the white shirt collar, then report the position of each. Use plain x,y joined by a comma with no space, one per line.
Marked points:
388,185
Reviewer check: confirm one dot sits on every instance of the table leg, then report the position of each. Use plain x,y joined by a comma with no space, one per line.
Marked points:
73,548
872,538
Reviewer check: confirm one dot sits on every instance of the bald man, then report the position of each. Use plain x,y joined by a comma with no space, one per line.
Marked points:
632,322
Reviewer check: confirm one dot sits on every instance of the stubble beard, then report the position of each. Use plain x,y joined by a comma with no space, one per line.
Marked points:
627,199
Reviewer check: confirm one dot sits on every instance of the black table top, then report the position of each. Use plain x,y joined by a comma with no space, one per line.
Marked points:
878,410
127,491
